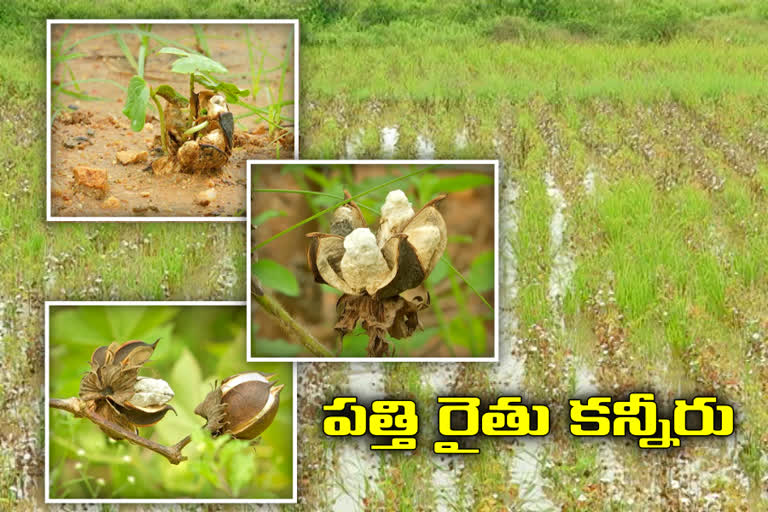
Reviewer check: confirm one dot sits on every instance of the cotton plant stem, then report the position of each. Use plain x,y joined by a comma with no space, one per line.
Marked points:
161,117
291,326
78,408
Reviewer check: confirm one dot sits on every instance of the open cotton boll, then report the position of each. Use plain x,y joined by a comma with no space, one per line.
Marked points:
362,266
425,240
218,105
150,392
397,210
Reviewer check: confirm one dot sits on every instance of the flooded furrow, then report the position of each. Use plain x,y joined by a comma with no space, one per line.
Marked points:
353,145
439,379
389,137
425,148
357,465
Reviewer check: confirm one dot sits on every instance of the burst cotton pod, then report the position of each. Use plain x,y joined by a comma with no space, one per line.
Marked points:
114,390
380,274
244,405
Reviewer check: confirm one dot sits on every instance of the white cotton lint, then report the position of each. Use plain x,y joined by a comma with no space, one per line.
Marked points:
353,145
395,213
563,265
363,265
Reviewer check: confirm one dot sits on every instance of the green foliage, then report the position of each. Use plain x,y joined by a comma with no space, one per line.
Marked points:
658,21
198,345
171,95
136,102
274,275
231,91
189,63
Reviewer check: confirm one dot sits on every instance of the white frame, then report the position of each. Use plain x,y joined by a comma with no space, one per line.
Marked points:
496,277
48,499
138,218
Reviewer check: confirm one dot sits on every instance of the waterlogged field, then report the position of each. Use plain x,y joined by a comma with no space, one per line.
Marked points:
634,202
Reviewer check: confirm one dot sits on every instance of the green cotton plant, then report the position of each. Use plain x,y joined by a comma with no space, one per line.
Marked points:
200,70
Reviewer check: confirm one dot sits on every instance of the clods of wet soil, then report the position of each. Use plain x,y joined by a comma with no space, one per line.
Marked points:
101,142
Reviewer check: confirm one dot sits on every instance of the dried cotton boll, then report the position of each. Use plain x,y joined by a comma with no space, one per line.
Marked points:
363,266
380,276
243,406
114,390
217,105
395,213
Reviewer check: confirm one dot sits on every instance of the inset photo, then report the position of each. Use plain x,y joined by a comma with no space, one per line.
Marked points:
156,119
153,402
387,260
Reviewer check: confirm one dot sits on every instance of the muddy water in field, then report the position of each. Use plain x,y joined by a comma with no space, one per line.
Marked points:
358,465
92,134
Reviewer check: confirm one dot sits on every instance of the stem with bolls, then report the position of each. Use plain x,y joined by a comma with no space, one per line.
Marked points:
78,408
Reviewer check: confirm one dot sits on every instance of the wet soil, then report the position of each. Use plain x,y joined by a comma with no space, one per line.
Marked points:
90,133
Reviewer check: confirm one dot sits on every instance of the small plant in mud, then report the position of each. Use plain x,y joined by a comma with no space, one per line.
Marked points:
196,131
381,274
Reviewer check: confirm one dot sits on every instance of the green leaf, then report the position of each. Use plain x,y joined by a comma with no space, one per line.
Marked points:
439,273
173,51
481,272
197,64
417,340
186,375
137,98
240,471
265,216
463,182
262,347
275,276
356,345
193,62
230,90
171,95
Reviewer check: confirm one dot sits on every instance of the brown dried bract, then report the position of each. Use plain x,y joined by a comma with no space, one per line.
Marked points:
110,385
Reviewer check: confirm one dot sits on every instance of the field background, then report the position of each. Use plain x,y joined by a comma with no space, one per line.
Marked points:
634,143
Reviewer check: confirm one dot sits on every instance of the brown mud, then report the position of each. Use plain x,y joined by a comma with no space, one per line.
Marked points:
94,132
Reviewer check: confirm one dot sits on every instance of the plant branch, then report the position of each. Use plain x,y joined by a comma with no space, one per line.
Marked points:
291,326
161,117
191,97
78,408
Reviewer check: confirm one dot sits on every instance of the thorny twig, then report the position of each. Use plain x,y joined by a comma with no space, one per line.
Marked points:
78,408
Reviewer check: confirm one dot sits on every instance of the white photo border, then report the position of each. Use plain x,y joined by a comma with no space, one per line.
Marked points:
496,262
